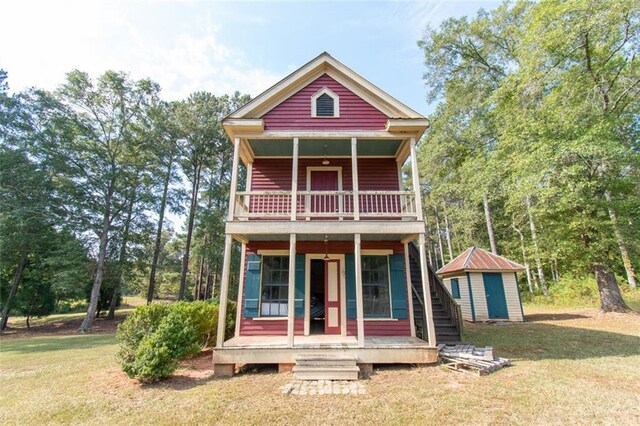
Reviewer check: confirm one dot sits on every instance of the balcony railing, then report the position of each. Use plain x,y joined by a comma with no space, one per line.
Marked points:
330,205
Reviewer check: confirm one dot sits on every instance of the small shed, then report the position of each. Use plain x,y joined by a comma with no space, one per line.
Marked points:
485,285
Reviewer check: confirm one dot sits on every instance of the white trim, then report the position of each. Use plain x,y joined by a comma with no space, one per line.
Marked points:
291,302
409,284
359,301
294,181
336,103
224,290
243,256
307,291
320,169
273,253
377,252
270,318
324,63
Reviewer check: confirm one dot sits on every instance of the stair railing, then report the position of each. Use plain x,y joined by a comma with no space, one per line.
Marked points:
449,304
421,326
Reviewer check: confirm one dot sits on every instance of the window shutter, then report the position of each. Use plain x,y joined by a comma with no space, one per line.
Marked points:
398,288
252,286
350,276
300,276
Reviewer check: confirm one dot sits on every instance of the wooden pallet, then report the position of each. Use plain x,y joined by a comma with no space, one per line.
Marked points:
468,358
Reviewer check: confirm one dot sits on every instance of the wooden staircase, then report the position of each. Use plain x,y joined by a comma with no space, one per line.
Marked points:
446,312
326,367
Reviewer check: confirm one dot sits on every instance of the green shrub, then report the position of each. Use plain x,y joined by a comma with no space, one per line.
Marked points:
158,354
568,291
153,338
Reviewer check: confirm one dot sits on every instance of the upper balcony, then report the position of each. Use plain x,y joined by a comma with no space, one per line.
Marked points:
323,185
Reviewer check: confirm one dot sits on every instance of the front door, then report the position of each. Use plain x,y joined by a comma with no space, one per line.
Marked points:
494,292
332,296
324,180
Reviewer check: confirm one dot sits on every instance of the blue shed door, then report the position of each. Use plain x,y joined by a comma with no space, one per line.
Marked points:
494,292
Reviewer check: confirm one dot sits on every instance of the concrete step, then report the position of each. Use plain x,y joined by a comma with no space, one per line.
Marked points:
326,372
325,360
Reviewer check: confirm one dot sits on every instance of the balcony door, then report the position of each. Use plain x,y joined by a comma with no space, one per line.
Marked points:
327,181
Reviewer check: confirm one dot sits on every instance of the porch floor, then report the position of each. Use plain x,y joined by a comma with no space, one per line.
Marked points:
324,341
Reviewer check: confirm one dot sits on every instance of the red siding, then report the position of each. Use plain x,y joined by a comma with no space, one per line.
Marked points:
295,112
374,174
380,328
252,327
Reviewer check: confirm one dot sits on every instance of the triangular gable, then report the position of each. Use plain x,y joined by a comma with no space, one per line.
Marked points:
295,112
324,64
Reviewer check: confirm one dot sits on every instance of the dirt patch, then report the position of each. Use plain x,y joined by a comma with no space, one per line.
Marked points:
65,327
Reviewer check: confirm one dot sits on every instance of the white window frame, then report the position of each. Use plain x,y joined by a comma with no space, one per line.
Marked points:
269,253
336,103
374,254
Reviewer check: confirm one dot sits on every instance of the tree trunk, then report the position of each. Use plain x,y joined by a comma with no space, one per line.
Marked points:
123,255
632,278
524,258
487,216
17,277
102,255
448,235
192,213
156,248
536,249
439,238
610,297
28,325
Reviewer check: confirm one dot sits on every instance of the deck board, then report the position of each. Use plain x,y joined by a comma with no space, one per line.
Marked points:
324,341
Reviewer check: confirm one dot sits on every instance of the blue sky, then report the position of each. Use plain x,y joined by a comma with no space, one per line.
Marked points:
220,46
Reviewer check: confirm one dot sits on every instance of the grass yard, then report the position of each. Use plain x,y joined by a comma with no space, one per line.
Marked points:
571,366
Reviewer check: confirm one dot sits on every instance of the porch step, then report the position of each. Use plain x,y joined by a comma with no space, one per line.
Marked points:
326,367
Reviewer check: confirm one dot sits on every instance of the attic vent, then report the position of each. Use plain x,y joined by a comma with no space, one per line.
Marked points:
324,106
325,103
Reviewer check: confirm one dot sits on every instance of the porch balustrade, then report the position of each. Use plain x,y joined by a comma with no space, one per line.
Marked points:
324,204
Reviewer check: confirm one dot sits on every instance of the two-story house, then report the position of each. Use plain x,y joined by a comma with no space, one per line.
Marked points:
326,224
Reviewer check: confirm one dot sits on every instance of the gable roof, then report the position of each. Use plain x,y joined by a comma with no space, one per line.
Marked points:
477,259
324,64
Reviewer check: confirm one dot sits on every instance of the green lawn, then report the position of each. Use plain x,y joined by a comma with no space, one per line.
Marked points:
571,366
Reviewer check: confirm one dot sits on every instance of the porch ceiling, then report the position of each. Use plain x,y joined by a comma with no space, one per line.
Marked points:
316,147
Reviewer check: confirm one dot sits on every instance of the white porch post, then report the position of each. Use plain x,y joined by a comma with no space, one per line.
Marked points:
407,270
292,290
234,179
224,289
354,174
359,302
415,177
294,181
428,314
243,255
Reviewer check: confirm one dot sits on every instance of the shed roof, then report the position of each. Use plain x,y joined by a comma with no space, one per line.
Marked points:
477,259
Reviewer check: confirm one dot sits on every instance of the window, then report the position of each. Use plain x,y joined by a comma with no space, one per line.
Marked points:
455,288
376,293
325,103
275,286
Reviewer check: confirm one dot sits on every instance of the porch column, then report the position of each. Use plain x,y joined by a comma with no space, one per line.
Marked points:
243,255
424,275
407,270
354,174
224,288
359,302
247,185
294,181
234,179
415,177
291,308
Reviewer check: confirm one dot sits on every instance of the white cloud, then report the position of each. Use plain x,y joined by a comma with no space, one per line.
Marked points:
44,40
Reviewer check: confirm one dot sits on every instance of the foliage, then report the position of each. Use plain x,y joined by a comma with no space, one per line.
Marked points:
154,337
537,130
